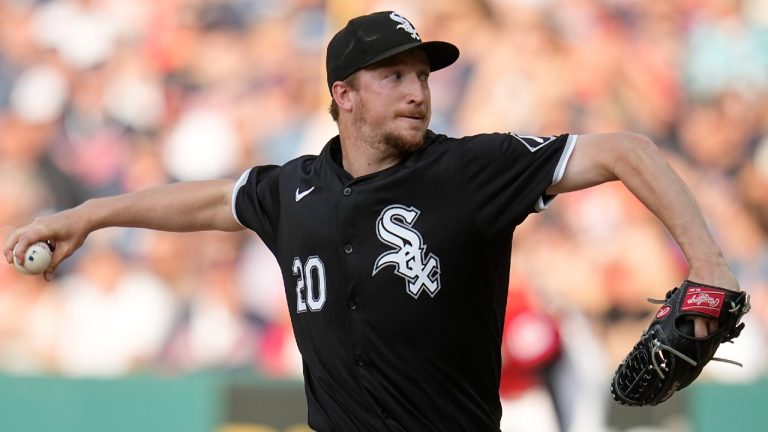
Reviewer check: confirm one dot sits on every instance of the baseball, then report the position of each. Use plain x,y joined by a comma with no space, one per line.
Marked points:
37,259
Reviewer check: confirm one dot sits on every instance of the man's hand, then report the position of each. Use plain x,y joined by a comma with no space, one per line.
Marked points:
65,232
702,327
716,275
667,358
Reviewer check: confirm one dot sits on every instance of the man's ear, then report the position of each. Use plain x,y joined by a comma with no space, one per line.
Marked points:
342,94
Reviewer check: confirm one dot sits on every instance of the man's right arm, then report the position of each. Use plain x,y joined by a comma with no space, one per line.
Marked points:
178,207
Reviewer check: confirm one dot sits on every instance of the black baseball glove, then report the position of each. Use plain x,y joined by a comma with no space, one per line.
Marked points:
668,357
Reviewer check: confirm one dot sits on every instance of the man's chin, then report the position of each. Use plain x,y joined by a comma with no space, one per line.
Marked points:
406,143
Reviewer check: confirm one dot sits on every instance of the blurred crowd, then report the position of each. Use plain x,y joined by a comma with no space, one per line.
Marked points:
99,97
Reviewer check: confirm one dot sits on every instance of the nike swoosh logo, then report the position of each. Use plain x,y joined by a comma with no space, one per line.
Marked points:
300,195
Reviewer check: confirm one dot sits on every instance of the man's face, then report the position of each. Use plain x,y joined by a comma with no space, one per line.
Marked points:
392,101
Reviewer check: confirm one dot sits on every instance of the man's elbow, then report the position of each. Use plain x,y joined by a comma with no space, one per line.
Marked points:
638,144
633,150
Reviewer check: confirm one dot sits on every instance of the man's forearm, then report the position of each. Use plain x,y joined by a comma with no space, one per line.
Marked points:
178,207
639,164
649,177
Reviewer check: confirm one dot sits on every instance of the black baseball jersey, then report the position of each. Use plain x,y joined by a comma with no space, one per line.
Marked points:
397,280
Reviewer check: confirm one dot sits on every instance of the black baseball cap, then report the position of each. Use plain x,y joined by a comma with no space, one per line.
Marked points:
371,38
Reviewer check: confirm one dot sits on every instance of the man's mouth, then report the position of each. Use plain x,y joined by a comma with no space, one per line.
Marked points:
414,116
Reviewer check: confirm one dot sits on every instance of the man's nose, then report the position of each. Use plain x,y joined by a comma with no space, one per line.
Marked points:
418,91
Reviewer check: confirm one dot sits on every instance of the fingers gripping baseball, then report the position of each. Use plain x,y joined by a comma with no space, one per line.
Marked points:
63,233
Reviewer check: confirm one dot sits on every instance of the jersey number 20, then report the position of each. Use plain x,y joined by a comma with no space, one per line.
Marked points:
310,286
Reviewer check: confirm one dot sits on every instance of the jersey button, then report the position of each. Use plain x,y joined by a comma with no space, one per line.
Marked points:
360,361
348,248
347,191
352,305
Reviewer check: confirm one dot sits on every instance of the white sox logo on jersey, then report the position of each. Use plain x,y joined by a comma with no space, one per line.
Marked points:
395,228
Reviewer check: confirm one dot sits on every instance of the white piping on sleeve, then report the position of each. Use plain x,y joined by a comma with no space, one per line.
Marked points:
559,170
240,183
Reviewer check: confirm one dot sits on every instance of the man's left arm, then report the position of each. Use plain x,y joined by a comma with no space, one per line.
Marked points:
638,163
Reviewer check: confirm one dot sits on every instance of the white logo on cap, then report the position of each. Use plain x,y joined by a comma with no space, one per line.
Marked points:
405,25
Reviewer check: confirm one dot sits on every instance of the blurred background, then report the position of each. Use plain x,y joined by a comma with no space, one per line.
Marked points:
149,331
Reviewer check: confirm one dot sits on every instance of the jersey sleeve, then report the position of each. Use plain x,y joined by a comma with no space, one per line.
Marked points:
506,175
256,201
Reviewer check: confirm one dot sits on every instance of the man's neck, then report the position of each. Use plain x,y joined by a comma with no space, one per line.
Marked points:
361,157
